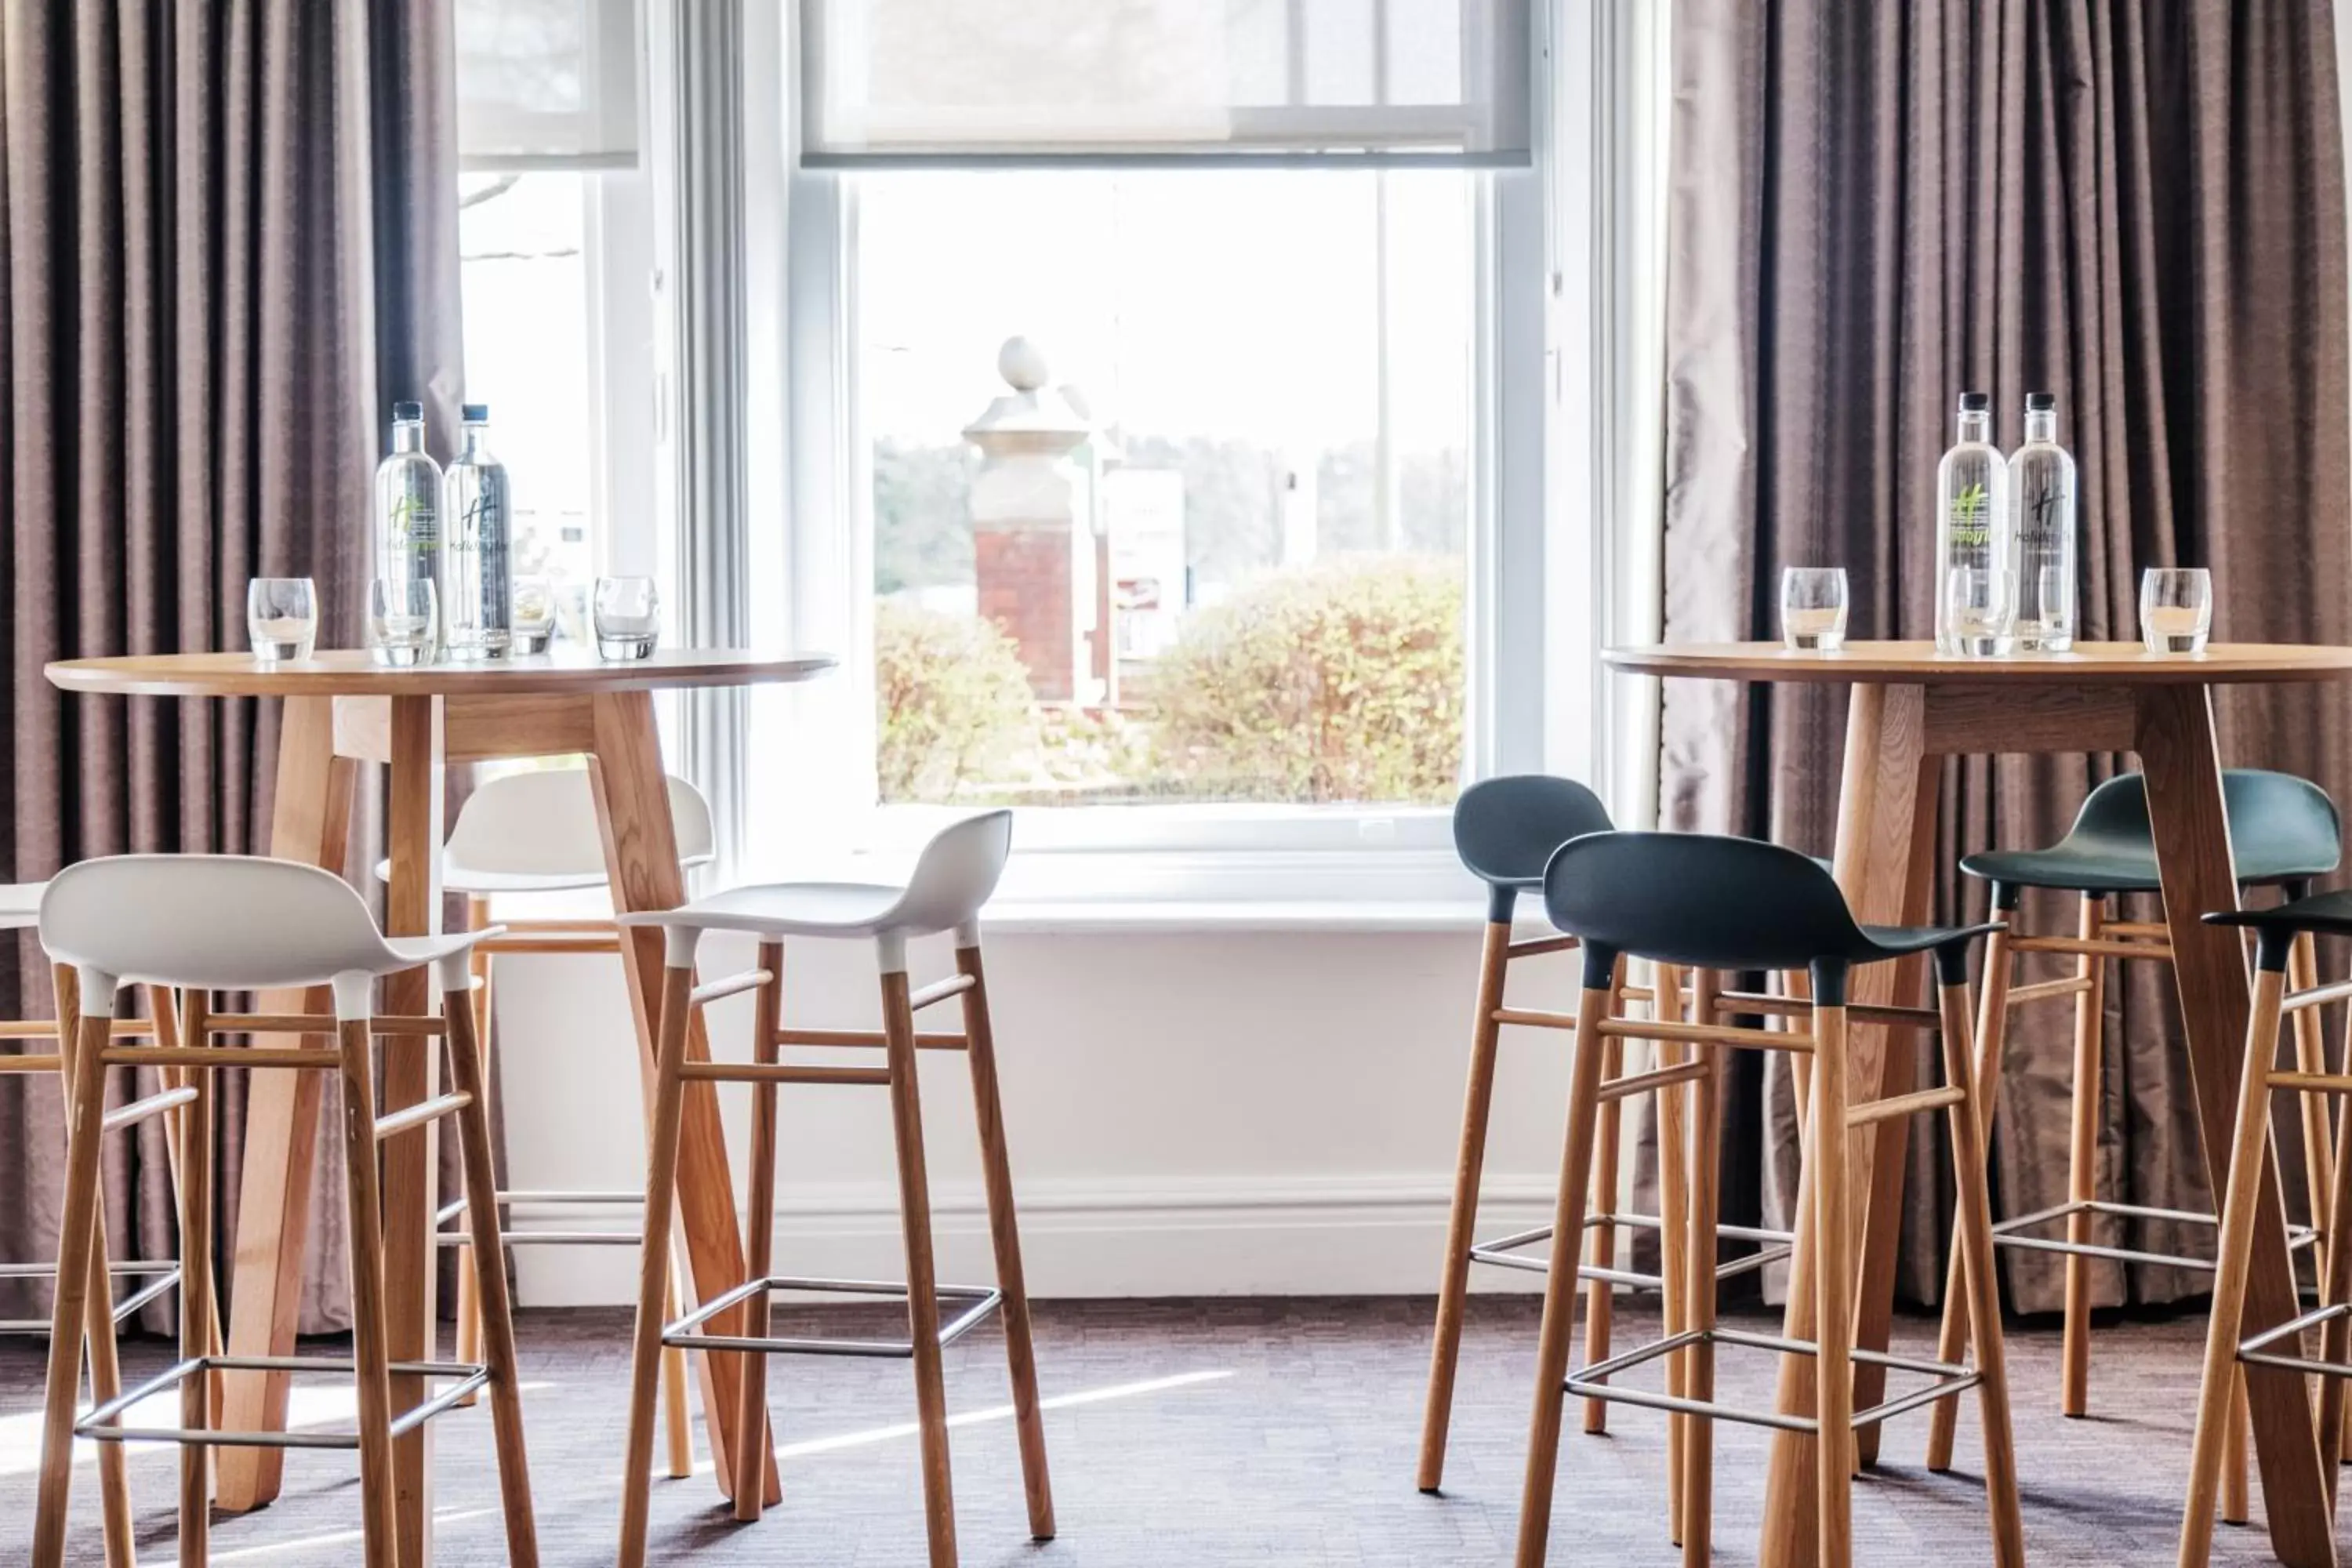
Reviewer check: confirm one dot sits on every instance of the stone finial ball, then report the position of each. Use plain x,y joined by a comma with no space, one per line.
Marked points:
1022,363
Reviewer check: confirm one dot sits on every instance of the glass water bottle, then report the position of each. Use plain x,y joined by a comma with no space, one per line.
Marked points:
407,543
1976,596
2041,509
476,592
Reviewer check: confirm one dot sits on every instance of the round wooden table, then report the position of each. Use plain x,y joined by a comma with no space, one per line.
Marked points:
339,708
1911,707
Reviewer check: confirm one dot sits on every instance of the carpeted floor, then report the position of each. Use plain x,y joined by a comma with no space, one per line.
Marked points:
1204,1433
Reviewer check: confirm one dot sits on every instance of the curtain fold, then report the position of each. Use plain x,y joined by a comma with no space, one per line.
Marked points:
229,235
1872,208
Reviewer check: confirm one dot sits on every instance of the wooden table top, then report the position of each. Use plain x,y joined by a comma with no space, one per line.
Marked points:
1918,663
349,672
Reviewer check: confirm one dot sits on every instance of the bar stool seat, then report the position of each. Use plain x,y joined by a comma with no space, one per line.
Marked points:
2282,830
952,878
207,923
20,905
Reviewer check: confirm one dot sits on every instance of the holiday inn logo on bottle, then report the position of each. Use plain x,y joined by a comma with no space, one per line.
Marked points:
1971,509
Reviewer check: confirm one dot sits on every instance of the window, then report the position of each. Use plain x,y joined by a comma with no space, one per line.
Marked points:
1170,489
558,342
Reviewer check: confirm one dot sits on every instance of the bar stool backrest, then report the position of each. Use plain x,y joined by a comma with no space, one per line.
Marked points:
1702,900
542,823
1505,829
2282,827
217,923
953,877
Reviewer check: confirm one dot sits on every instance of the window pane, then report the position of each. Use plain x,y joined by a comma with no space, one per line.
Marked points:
528,341
1206,542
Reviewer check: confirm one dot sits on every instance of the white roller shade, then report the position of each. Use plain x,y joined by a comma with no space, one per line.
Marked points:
1048,81
547,84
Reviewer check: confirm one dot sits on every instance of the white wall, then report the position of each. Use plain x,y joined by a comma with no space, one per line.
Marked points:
1213,1112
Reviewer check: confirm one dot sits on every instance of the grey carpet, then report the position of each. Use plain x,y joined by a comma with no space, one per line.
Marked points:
1205,1434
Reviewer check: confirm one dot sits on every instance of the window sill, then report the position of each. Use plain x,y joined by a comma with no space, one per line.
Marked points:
1179,916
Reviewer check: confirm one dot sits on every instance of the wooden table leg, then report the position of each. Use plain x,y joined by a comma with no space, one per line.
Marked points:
310,821
1887,807
2183,769
641,857
412,1073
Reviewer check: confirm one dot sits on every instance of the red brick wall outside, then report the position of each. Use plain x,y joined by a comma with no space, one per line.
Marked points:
1023,578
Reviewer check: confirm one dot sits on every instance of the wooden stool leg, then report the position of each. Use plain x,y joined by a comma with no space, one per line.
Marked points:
1973,1229
1004,1236
2318,1133
1833,1242
1992,1030
1705,1197
2336,1285
1462,1219
470,1301
2237,1495
163,1006
1600,1240
1674,1235
117,1519
922,1279
677,1419
197,1334
653,1263
2217,1388
470,1068
2083,1163
78,1233
370,1345
1553,1340
753,1442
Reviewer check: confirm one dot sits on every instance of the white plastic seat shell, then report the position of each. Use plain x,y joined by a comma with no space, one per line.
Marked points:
952,878
536,832
20,905
224,922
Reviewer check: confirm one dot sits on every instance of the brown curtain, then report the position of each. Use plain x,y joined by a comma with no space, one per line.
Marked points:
230,238
2138,206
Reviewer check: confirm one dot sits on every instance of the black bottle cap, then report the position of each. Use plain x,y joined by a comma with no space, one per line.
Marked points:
2042,403
1976,401
409,411
475,413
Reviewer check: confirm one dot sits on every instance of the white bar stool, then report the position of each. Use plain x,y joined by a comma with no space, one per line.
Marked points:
536,832
954,877
205,924
20,904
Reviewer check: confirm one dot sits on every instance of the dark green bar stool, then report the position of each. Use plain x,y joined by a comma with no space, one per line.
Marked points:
2284,832
1713,905
1506,830
2277,1348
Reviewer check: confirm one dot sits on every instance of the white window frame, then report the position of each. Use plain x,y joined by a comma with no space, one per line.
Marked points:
1562,553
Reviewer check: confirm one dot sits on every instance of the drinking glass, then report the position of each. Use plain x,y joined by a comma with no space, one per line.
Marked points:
1978,607
282,618
400,617
1813,608
2176,608
627,612
534,622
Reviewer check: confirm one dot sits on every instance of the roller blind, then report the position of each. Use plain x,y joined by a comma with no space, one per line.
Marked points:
949,83
547,84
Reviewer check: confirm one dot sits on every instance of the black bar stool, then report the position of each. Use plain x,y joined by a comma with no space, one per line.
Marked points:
2284,832
1714,905
1506,830
2253,1182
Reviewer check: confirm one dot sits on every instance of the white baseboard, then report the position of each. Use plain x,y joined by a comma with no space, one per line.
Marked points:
1226,1236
